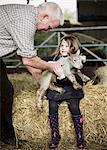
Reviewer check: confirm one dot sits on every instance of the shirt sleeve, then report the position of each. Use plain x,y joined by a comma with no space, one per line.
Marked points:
23,32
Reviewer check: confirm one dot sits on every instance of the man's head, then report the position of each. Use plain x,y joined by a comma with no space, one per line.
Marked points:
49,16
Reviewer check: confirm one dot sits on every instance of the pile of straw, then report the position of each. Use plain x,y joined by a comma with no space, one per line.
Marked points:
101,74
33,126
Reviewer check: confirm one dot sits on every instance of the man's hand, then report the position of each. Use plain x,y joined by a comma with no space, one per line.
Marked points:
37,62
36,73
56,67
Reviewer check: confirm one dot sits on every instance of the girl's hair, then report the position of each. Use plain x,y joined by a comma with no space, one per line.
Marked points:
73,44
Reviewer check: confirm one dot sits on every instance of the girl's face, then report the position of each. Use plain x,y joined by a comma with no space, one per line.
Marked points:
64,48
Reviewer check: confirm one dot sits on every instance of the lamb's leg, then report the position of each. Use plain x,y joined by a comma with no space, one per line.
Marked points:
44,85
58,89
72,78
83,76
40,94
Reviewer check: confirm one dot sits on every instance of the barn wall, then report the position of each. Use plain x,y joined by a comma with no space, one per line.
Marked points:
93,13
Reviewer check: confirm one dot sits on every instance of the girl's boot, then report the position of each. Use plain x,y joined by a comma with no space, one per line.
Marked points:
55,137
78,125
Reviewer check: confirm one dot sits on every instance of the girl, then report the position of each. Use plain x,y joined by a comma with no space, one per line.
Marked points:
68,46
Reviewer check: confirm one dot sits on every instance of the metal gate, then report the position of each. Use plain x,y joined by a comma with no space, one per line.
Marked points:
16,63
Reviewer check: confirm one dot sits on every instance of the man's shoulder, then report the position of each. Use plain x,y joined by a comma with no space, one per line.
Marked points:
20,13
17,7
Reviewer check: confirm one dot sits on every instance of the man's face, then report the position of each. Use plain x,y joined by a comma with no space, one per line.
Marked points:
46,24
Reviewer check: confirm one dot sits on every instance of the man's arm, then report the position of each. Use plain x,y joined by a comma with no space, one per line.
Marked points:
36,64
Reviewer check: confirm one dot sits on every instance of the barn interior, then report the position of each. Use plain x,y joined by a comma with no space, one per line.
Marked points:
32,127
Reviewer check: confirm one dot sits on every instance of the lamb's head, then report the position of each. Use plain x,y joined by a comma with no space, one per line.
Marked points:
77,60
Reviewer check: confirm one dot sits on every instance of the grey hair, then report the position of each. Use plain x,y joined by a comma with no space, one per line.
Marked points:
53,10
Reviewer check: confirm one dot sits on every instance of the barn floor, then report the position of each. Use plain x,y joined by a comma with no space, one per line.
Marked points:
32,128
24,145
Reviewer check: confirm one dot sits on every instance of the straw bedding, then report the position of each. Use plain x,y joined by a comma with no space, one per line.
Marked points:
101,75
32,127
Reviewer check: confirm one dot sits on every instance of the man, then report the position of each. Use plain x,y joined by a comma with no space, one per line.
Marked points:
18,24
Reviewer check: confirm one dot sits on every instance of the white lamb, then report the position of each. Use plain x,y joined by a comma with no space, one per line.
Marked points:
47,78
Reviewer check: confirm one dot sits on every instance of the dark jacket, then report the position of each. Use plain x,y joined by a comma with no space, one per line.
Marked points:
70,92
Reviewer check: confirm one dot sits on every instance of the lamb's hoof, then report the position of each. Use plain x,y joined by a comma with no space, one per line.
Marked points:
86,80
77,87
41,111
61,91
40,108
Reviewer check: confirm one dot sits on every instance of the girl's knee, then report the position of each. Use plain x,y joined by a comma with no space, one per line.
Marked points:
74,107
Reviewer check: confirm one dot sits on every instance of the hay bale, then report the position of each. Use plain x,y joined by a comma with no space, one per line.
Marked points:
101,75
33,126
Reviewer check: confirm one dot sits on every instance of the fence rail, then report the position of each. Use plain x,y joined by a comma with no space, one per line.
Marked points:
16,63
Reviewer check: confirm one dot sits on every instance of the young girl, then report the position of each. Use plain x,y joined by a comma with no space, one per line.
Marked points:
68,46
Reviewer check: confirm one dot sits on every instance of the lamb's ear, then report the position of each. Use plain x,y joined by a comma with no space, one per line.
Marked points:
83,58
78,52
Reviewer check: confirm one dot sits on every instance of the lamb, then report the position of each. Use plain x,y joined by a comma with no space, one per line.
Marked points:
47,78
